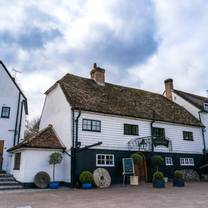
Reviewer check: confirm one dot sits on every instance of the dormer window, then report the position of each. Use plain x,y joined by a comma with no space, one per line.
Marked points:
206,106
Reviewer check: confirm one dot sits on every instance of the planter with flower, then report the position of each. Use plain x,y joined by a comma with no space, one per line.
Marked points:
158,180
86,178
178,180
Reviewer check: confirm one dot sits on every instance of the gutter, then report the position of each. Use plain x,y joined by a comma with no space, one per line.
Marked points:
203,136
17,117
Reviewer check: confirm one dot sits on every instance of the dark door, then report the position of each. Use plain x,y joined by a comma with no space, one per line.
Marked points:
1,153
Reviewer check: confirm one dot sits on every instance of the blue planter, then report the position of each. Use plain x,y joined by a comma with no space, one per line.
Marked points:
158,183
86,185
178,183
54,185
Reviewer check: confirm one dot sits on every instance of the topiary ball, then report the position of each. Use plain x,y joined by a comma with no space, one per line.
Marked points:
158,176
157,160
86,177
137,158
178,174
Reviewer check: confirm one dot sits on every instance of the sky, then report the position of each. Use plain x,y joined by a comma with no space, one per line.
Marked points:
139,43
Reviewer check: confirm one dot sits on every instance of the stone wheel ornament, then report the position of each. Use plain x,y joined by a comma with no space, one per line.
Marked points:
102,178
42,180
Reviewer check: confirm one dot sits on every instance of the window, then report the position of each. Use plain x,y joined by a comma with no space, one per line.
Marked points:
186,161
168,161
130,129
91,125
188,135
105,160
17,159
158,132
5,112
206,106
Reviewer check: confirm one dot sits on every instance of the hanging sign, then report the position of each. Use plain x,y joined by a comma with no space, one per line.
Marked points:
160,142
128,166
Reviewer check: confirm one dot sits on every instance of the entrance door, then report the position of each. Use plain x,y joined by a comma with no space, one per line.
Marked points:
1,153
141,171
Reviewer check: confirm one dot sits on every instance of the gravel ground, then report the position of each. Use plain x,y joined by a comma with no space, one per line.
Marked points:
144,196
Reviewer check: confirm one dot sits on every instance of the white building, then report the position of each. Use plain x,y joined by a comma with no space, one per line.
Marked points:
195,104
99,123
13,108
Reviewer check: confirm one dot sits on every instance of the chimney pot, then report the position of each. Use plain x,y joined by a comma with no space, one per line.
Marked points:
98,75
169,88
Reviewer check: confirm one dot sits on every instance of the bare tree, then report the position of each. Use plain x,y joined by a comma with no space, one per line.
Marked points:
32,127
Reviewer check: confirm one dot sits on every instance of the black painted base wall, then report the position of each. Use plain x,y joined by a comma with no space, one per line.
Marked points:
86,160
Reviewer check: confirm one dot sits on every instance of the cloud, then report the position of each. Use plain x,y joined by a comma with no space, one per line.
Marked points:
139,43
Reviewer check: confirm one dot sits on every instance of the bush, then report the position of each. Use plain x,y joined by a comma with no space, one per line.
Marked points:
157,160
137,158
55,158
86,177
178,174
158,176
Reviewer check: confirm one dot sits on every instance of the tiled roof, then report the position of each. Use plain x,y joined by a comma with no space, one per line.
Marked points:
46,138
85,94
197,101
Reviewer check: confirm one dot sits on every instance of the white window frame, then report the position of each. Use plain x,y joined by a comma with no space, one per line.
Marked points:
105,156
168,161
206,106
187,161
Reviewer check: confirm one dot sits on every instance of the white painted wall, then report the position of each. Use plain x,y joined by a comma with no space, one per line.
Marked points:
34,161
112,133
9,95
57,111
188,106
194,111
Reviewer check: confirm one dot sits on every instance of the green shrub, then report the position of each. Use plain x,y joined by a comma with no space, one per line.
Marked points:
157,160
86,177
158,176
178,174
137,158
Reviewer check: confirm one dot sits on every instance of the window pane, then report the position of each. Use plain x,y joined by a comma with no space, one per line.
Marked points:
130,129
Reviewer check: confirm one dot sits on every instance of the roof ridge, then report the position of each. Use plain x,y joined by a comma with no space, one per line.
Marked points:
199,96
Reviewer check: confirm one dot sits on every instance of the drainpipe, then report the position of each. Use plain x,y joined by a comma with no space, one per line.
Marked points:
20,122
203,137
151,126
74,148
17,117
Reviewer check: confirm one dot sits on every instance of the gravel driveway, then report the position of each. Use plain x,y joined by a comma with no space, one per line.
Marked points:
193,195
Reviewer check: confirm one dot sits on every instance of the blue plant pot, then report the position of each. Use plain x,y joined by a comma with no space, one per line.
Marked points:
178,183
54,185
158,183
86,185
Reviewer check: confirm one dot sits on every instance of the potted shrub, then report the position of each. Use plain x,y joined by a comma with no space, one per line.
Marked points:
156,160
138,160
86,178
55,158
158,180
178,180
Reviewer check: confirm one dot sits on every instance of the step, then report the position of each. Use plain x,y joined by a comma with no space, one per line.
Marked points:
3,175
11,187
3,183
7,179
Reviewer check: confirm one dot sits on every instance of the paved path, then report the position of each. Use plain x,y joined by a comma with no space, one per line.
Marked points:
194,195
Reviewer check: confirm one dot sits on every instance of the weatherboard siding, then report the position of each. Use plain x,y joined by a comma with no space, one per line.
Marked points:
112,134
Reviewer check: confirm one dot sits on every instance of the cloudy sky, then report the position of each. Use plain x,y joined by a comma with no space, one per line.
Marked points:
139,42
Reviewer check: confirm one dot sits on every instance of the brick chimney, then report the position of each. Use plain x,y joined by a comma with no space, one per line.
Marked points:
98,75
169,88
